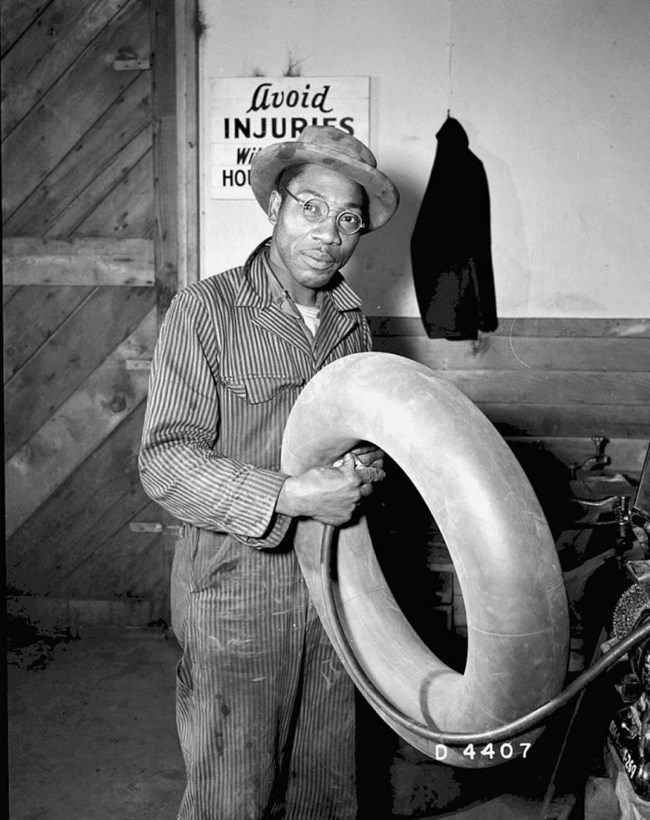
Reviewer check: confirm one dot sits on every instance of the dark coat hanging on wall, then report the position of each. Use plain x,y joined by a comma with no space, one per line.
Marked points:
451,244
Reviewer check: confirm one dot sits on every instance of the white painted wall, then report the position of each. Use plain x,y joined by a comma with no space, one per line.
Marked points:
555,98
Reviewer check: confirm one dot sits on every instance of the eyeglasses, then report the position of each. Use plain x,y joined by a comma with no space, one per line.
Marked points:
317,210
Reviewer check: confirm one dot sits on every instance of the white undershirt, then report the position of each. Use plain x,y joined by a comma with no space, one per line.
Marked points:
311,315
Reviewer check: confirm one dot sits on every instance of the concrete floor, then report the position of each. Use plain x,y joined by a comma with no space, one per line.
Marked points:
92,734
92,737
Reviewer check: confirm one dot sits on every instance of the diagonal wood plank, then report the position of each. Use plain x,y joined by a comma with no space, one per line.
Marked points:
73,432
8,293
78,261
124,564
47,50
17,17
103,321
99,150
32,317
74,514
71,571
54,126
119,203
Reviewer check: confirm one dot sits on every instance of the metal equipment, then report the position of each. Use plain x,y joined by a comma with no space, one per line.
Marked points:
629,730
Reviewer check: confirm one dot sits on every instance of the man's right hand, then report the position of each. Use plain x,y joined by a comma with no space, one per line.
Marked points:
330,495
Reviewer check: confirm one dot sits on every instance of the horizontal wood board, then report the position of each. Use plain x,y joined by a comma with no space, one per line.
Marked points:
563,328
555,380
78,261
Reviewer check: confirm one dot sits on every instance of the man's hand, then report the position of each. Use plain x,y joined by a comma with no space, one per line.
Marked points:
330,495
369,455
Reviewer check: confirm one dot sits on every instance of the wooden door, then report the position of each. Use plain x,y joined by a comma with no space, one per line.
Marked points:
83,129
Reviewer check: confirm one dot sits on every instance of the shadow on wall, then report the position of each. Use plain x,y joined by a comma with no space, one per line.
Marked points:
550,479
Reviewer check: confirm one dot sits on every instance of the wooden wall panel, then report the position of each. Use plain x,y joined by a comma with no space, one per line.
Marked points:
55,42
126,209
82,262
79,303
560,381
36,313
560,420
122,564
522,354
73,519
541,328
77,427
16,19
104,319
8,293
103,155
53,128
563,387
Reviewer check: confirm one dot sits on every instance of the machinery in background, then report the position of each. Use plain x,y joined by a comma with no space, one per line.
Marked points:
629,730
623,595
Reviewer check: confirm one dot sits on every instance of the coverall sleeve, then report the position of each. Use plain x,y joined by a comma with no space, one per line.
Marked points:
180,466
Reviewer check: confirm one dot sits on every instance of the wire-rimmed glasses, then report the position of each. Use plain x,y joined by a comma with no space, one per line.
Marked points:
317,210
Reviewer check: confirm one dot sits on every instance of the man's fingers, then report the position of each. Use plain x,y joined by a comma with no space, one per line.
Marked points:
347,462
365,489
370,474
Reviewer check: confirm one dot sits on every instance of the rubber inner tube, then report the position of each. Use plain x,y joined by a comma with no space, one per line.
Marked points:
494,528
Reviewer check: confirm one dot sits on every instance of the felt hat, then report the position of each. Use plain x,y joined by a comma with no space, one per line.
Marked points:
332,148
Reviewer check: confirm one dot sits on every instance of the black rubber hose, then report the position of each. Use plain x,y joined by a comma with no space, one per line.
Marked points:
508,730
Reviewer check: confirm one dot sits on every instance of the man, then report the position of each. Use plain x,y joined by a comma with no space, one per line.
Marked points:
264,708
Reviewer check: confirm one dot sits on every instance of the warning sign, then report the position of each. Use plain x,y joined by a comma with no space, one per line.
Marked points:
247,113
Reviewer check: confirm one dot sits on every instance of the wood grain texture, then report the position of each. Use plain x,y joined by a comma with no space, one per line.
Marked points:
73,519
558,420
551,387
558,380
78,261
17,17
165,154
76,428
84,176
127,209
508,326
187,130
102,205
524,353
55,125
32,317
79,276
47,50
8,292
61,365
117,563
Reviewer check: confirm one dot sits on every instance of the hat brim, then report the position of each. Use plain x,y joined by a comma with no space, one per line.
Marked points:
383,196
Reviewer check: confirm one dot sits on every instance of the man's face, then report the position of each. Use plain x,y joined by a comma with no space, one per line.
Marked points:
305,255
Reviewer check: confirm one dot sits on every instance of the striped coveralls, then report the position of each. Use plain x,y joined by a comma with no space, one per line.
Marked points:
265,711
